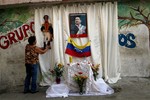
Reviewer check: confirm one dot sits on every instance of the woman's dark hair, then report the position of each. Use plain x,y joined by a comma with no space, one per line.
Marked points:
45,17
31,40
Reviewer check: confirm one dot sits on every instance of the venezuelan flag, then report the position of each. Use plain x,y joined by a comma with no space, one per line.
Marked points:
78,51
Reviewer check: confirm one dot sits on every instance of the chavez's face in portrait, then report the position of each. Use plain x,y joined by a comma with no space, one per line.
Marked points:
77,21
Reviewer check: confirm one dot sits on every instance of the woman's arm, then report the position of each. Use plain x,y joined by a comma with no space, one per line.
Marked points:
41,51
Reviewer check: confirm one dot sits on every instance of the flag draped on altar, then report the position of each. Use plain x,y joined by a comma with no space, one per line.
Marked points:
78,51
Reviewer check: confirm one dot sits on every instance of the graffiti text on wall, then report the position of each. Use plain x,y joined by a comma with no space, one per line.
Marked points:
127,40
133,14
16,35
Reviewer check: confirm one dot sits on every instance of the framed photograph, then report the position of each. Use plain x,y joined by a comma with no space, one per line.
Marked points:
78,25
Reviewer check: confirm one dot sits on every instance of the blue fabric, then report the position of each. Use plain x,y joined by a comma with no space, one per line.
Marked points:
31,74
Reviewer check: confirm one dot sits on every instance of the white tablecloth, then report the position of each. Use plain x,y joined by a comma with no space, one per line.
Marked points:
92,87
57,90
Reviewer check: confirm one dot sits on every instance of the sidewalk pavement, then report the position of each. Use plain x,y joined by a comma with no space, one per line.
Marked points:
127,88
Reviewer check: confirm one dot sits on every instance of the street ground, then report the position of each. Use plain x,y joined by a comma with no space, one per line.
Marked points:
127,88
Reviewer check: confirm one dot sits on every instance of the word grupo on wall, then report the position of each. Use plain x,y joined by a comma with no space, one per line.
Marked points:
16,35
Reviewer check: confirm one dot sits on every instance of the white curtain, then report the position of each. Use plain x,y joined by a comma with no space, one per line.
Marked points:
102,24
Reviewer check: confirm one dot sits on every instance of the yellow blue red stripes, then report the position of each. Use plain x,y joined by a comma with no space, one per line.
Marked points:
78,51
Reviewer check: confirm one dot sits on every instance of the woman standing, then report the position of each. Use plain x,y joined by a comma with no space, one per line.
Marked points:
32,64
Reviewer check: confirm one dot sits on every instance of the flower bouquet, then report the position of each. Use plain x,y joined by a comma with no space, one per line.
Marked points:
57,72
95,69
80,80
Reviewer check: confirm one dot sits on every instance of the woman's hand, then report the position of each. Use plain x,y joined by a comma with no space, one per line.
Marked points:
48,47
